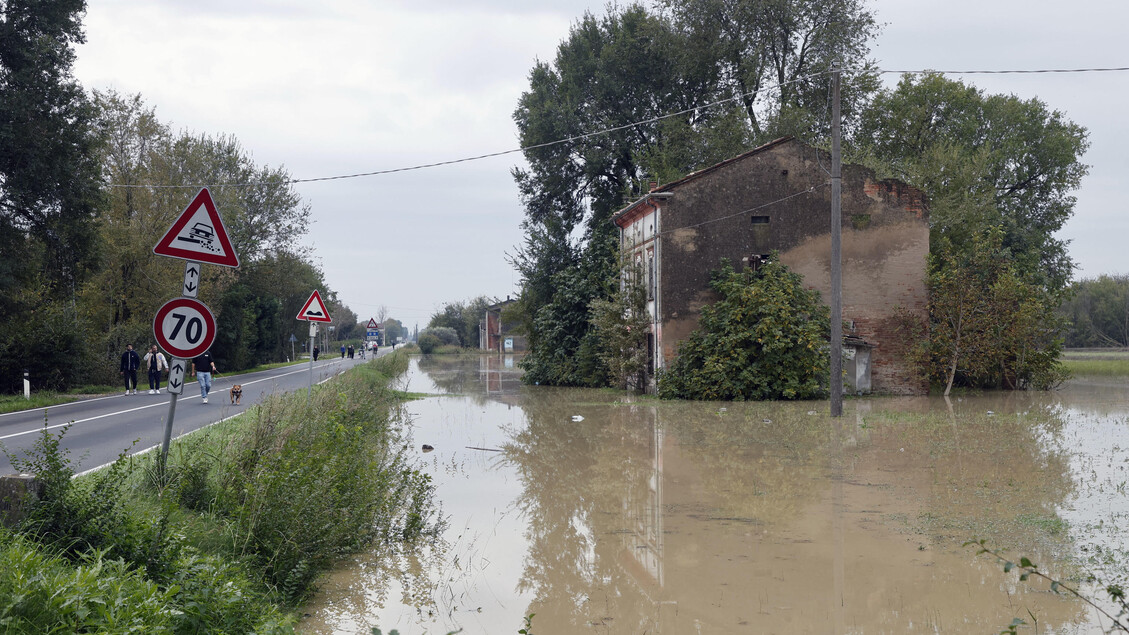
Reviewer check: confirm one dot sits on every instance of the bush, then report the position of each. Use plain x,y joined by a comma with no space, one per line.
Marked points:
304,485
428,343
765,338
447,336
81,517
41,593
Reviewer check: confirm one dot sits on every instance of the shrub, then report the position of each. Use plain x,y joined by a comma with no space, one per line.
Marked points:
765,338
446,335
428,343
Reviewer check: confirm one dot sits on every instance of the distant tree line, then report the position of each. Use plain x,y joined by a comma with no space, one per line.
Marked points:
84,197
1097,312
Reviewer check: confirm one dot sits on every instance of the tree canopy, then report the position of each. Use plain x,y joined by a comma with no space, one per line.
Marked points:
626,73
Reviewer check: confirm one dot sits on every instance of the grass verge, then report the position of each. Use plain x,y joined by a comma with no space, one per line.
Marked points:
229,536
48,398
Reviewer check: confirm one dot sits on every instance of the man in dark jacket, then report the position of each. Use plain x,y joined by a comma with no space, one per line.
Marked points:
131,361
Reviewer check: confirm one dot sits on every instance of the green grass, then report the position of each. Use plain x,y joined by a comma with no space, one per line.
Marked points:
1097,362
48,398
230,536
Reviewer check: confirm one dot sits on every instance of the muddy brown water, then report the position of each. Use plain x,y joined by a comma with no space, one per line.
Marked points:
599,512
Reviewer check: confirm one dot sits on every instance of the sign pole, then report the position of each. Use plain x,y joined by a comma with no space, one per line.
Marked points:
310,384
185,325
168,435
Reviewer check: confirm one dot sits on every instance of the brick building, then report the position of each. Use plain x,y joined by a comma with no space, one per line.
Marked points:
494,335
778,198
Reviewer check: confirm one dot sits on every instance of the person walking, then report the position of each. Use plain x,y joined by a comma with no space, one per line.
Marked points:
202,369
155,362
131,361
342,351
316,351
351,351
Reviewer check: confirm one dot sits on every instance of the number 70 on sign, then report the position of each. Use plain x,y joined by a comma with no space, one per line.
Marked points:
184,327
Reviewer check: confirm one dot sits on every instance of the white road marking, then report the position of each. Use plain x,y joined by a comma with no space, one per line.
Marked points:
154,405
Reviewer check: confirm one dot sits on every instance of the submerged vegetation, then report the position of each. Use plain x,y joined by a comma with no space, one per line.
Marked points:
234,534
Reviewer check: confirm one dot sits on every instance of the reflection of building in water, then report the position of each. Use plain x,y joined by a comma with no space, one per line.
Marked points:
642,553
497,372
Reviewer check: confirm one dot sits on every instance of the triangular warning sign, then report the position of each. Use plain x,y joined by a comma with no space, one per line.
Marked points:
314,310
372,324
198,234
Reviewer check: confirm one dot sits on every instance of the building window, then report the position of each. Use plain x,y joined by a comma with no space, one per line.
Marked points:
651,275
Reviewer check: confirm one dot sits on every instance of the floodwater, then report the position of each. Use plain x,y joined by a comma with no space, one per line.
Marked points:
599,512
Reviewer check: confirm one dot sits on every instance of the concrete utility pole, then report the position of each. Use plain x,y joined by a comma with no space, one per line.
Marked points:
836,383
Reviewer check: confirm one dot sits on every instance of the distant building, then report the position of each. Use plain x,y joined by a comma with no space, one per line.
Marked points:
494,335
778,198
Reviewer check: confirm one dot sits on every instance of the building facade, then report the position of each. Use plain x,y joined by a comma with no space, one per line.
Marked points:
778,198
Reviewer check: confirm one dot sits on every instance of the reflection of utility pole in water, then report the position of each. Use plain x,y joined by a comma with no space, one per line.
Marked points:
837,504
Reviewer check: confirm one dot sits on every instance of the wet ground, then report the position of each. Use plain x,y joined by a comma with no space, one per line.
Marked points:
604,513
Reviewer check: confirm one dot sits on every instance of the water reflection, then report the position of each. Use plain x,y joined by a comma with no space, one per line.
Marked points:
604,513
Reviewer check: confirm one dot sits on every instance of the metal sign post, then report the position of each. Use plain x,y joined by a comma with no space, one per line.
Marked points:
310,384
185,327
313,311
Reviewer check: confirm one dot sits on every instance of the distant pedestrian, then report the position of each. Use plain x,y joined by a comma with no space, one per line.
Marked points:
342,351
131,361
155,362
202,368
316,351
350,351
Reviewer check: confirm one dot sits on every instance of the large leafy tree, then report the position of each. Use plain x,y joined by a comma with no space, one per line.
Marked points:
985,161
49,189
765,338
772,56
999,172
625,74
991,324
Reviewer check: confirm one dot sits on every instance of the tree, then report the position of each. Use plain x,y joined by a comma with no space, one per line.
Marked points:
463,318
772,57
620,324
984,161
625,74
991,325
49,186
1097,313
764,338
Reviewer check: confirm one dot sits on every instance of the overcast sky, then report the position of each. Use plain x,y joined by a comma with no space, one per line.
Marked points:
350,86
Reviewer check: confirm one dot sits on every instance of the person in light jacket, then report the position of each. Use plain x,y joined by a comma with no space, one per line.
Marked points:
155,362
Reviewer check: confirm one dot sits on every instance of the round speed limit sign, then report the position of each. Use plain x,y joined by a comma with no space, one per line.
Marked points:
184,328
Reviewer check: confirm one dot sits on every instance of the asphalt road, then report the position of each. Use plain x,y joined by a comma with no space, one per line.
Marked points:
101,428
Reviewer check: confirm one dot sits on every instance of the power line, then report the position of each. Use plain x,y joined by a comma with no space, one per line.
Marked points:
652,120
1009,71
537,146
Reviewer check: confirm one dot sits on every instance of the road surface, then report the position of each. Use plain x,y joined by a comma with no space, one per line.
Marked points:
104,427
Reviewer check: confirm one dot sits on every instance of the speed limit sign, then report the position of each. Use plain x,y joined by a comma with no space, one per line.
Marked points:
184,328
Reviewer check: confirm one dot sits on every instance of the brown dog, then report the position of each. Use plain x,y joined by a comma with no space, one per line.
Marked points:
236,394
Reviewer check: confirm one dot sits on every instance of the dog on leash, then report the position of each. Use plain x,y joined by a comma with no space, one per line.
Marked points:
236,394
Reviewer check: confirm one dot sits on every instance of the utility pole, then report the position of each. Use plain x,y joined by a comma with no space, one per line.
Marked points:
836,383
